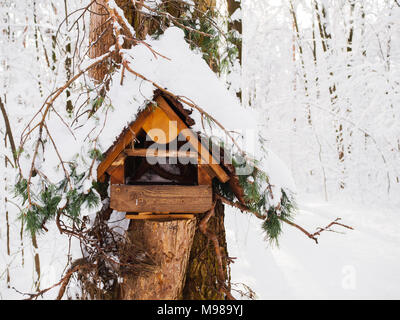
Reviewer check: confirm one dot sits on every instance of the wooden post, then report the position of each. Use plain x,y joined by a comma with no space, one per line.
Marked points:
169,244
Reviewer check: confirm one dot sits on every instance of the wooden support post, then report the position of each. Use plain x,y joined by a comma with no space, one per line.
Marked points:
168,243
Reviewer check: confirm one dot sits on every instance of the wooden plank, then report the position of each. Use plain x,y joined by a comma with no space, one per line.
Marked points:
159,127
161,198
203,178
119,161
203,151
123,142
159,216
118,175
161,153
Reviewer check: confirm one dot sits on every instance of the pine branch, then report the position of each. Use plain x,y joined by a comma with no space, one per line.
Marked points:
240,206
310,235
44,110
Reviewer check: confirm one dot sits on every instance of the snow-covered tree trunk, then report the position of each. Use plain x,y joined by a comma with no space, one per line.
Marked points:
235,14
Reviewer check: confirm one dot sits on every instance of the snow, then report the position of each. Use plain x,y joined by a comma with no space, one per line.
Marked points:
237,15
118,223
186,74
354,264
359,264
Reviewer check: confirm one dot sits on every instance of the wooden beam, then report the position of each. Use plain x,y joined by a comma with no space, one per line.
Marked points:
117,170
118,175
161,153
119,161
132,131
159,127
202,150
135,127
203,178
159,216
161,198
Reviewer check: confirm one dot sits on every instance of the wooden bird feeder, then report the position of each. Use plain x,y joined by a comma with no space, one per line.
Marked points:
166,189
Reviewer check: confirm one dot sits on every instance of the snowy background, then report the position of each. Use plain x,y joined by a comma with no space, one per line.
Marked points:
299,124
359,264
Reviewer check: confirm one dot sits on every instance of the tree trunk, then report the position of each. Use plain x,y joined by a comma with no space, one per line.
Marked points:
236,25
232,6
202,272
100,39
168,243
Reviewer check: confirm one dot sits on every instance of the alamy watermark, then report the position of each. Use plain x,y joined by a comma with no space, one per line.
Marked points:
349,279
188,146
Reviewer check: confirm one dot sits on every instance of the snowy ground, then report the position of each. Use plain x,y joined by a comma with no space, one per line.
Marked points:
359,264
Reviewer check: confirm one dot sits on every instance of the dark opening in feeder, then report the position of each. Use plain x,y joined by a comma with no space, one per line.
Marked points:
158,168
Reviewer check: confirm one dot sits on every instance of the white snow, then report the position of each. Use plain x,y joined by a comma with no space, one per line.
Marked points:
359,264
237,15
186,74
363,263
118,222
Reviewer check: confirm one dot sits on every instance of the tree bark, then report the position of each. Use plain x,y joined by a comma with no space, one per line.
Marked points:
100,38
232,6
168,243
236,25
202,272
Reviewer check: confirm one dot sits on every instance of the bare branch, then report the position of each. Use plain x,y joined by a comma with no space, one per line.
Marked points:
310,235
9,131
64,281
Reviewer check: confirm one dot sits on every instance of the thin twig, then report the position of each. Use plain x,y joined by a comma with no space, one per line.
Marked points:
64,281
310,235
9,131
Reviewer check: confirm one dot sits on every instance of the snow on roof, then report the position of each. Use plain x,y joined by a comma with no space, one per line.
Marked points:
185,74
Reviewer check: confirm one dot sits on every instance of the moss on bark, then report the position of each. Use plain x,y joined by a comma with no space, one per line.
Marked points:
201,275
